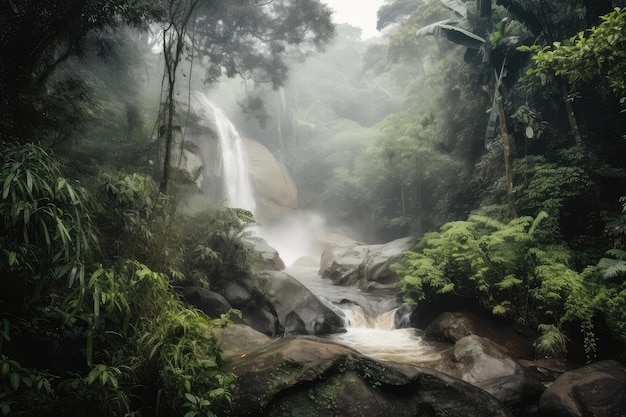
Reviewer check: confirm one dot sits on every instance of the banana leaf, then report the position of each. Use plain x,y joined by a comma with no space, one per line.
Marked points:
457,6
448,29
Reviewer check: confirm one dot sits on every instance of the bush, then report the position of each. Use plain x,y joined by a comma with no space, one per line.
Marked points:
513,273
47,228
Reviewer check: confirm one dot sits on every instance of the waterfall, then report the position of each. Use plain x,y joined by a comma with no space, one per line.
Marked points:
232,165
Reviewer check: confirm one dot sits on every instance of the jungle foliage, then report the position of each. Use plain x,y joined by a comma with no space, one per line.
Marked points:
92,252
543,72
117,338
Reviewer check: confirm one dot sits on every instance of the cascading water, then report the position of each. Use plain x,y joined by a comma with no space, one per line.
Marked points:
369,318
370,321
236,186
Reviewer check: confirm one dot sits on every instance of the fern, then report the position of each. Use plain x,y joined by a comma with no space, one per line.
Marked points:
507,268
551,342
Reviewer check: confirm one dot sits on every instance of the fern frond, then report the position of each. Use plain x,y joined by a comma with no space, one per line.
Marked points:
551,342
540,217
617,253
486,221
612,268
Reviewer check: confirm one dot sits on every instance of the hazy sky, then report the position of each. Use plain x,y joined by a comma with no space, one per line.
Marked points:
361,13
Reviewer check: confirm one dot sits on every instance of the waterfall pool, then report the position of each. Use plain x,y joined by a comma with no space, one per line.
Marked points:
369,319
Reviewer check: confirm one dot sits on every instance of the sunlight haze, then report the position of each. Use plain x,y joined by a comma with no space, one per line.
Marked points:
361,13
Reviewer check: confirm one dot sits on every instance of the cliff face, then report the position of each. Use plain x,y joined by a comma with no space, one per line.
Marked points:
276,191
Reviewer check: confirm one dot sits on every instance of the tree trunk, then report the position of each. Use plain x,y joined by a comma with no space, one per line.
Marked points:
507,160
571,116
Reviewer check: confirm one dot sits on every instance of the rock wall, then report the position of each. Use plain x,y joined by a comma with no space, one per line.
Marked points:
276,191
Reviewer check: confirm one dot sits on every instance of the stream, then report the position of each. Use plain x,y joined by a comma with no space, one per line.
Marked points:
369,319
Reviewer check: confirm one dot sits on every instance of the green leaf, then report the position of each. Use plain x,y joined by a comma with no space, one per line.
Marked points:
89,349
104,377
14,379
447,29
7,185
5,368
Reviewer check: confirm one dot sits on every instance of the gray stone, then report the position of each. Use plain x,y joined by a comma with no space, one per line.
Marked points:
236,294
302,377
597,390
211,303
290,299
366,266
452,327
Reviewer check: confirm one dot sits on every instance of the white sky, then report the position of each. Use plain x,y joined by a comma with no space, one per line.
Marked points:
361,13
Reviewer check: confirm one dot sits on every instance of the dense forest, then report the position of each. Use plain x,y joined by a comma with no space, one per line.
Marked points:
493,132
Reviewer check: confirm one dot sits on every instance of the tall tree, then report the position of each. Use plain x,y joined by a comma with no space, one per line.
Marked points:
36,37
251,39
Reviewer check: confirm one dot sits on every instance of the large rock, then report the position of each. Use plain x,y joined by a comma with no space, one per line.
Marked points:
453,326
237,340
597,390
298,310
276,191
267,256
365,266
302,377
483,364
211,303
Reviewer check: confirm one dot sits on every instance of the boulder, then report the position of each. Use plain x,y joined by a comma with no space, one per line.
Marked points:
267,256
238,340
483,364
298,310
403,316
453,326
597,390
236,294
304,377
366,266
211,303
258,315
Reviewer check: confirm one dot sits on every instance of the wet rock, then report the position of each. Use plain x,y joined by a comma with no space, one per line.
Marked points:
236,294
365,266
597,390
260,317
303,377
403,316
238,340
482,363
267,256
209,302
453,326
292,300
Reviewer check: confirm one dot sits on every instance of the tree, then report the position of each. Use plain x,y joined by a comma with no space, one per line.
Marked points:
36,38
246,38
596,54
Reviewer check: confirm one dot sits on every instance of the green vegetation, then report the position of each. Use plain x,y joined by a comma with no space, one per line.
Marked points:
557,269
514,271
496,136
92,250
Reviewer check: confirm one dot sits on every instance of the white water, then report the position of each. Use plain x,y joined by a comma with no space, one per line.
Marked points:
236,183
369,318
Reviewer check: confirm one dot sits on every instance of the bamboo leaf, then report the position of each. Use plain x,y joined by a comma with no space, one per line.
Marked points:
7,185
